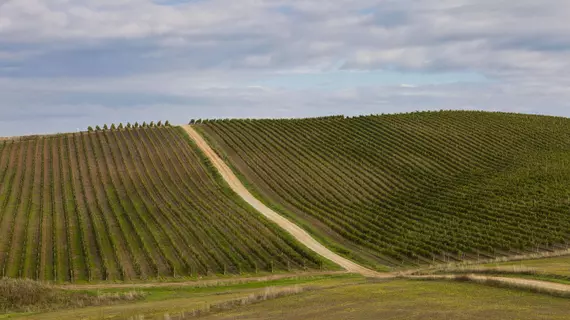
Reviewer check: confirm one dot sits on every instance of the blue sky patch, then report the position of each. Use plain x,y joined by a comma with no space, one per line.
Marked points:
173,2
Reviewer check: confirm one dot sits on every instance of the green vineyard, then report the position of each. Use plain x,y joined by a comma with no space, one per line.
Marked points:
414,188
128,204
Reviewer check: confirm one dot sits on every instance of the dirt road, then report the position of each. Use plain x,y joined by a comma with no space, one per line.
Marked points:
301,235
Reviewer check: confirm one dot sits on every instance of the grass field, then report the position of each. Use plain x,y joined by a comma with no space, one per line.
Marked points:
411,189
324,297
158,303
556,265
402,299
126,205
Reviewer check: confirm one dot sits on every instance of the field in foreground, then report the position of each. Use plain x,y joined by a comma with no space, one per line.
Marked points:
402,299
125,205
411,188
169,302
327,297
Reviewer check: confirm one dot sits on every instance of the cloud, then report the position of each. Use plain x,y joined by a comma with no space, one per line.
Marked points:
278,58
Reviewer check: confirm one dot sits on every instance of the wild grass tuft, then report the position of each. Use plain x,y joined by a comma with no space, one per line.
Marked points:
22,295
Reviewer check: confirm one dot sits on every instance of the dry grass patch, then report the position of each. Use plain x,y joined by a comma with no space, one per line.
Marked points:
18,295
267,294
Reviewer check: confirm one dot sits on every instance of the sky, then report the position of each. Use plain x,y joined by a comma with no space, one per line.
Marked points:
68,64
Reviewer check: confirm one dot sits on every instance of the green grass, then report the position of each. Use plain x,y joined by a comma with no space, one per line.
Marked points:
173,300
411,189
554,269
556,266
327,297
408,300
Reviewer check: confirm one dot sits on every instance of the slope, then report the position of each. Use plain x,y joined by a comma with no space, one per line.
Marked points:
298,233
128,204
411,188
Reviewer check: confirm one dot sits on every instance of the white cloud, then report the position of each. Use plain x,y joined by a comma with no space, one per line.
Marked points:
107,52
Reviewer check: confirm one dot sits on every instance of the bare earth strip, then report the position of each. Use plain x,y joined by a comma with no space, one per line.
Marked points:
301,235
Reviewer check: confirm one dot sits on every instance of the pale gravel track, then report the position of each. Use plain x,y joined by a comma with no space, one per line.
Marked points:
299,234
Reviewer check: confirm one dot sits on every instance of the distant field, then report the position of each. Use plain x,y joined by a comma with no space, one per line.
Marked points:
555,266
125,205
411,189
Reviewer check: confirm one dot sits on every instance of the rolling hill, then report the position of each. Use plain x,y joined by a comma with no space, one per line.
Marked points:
128,204
410,189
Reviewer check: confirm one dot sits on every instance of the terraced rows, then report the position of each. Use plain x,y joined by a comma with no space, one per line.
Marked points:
128,204
411,188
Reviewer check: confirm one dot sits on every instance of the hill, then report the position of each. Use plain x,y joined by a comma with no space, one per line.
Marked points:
128,204
411,189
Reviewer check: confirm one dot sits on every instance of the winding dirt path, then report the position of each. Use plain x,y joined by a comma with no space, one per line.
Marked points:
301,235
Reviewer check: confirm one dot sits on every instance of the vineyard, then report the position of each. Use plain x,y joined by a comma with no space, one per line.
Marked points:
411,189
128,203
